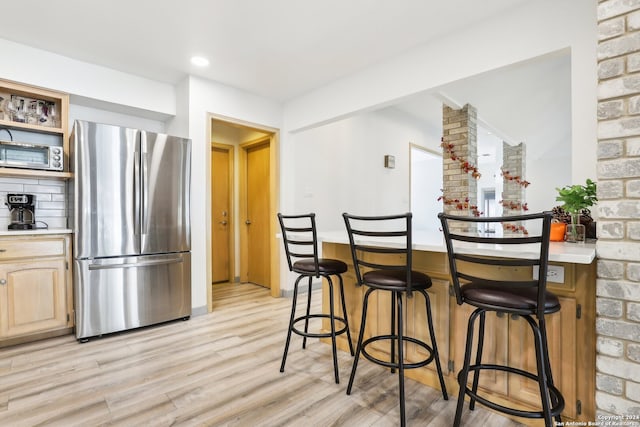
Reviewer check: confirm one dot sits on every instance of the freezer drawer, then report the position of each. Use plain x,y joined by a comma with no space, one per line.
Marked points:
116,294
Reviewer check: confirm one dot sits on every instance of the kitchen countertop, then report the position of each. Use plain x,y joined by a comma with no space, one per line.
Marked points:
575,253
35,232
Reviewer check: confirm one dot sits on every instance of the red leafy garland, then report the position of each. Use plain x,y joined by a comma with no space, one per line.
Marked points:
514,205
465,165
468,167
515,228
518,179
461,205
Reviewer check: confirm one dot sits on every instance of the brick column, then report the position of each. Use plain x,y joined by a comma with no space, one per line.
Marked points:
618,246
513,162
460,130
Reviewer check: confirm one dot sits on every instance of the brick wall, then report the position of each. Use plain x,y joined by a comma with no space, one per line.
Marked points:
460,129
618,247
513,162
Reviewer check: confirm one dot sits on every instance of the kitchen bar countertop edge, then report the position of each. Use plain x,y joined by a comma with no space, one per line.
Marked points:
574,253
36,232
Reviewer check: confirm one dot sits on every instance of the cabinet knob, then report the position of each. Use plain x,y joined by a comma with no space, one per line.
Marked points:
3,282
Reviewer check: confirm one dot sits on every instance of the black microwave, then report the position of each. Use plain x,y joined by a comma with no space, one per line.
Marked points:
31,156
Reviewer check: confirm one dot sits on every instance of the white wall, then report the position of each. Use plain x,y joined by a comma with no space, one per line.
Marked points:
339,167
79,112
91,82
210,97
535,29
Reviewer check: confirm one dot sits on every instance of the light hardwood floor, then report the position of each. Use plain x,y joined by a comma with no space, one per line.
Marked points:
220,369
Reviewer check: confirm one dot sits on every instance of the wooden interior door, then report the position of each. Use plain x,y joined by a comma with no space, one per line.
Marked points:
257,265
220,214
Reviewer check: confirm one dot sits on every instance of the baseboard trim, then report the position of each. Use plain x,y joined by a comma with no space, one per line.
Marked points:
199,311
302,289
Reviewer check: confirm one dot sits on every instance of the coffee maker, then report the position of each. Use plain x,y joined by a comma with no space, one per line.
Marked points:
22,208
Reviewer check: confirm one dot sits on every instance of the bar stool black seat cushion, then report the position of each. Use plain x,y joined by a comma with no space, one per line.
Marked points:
325,265
396,279
508,297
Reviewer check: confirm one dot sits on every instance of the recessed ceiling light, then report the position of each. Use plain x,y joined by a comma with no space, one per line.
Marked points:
199,61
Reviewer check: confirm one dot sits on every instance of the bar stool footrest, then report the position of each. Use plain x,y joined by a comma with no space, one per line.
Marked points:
328,334
554,393
395,365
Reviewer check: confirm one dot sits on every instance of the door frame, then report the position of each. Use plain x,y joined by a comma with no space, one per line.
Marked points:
274,201
274,273
230,149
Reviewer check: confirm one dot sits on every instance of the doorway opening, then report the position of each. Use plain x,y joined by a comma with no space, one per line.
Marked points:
426,186
244,198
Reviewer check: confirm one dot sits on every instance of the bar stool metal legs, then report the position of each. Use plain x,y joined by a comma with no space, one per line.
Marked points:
305,333
397,338
551,398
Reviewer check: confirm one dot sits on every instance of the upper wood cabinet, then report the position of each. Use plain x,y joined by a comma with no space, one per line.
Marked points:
54,125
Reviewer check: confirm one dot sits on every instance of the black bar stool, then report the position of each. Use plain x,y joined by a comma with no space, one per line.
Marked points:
301,243
479,281
388,239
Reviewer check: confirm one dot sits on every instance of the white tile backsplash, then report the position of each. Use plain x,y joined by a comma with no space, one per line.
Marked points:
18,180
51,200
46,188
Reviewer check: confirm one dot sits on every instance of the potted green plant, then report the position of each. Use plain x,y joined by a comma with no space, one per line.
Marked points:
576,199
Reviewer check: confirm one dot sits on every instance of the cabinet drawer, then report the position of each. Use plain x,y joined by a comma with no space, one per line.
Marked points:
13,249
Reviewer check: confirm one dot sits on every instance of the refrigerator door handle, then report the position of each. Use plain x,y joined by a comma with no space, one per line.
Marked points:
143,192
135,264
137,185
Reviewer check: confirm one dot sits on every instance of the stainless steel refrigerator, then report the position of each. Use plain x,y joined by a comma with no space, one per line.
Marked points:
130,213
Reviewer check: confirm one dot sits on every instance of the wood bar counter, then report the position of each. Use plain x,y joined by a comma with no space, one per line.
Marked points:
571,331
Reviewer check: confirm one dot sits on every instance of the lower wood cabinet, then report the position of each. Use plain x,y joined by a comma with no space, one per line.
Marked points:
35,288
508,339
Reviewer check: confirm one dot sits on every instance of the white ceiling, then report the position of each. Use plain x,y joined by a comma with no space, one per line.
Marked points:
275,48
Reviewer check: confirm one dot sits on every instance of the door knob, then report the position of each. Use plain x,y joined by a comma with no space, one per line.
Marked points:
248,222
223,222
3,282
